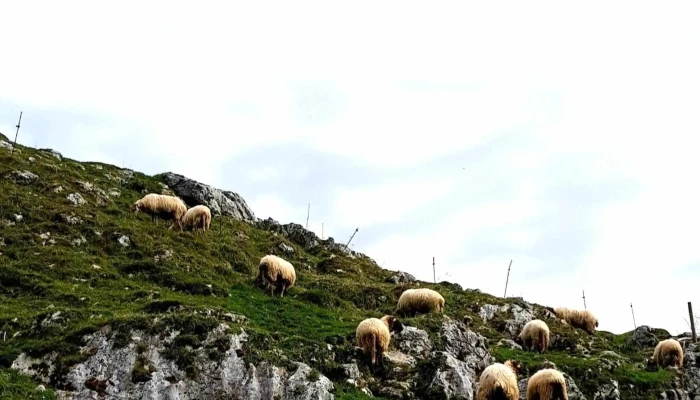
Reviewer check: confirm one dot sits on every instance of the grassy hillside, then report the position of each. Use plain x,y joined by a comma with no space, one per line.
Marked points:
67,270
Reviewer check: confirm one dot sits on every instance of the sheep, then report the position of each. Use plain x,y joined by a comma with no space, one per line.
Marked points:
421,300
582,319
161,206
668,352
276,272
373,335
547,384
535,336
197,218
499,381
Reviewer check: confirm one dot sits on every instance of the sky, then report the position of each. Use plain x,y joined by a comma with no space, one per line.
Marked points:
561,136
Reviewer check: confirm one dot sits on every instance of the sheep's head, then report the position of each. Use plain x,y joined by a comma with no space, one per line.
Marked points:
393,323
514,366
136,207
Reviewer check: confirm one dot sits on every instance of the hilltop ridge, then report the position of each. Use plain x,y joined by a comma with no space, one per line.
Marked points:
97,301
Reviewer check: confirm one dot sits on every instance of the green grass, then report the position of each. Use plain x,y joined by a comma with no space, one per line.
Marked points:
54,293
15,386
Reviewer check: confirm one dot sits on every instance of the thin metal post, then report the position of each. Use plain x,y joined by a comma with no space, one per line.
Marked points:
584,299
507,277
308,212
633,319
12,150
692,322
353,235
322,231
434,280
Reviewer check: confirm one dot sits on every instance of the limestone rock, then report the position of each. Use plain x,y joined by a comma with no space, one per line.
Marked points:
76,199
609,391
453,378
401,277
644,336
53,153
487,312
464,344
219,201
22,177
109,371
412,341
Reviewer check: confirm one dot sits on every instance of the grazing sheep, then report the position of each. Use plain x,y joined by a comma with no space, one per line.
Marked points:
499,381
374,334
535,336
161,206
547,384
197,218
276,272
582,319
421,300
668,352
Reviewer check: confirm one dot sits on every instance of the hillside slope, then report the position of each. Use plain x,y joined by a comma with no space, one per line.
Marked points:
97,301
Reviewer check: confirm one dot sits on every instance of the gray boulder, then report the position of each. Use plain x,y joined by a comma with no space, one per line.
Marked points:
413,341
643,336
22,177
220,202
609,391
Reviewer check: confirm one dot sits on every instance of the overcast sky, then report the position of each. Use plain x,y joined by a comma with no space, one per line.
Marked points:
564,138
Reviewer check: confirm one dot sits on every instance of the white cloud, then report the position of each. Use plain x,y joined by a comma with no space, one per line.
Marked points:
387,202
599,95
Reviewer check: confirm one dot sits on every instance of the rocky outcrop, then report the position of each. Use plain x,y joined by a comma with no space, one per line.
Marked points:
305,238
643,336
141,370
401,277
220,202
22,177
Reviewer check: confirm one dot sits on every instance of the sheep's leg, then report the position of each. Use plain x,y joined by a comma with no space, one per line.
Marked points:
282,294
272,290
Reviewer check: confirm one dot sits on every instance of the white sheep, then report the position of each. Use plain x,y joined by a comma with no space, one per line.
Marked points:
535,336
276,272
547,384
197,219
161,206
374,334
422,300
499,381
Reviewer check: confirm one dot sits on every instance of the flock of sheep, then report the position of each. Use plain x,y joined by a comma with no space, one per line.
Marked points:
196,219
373,335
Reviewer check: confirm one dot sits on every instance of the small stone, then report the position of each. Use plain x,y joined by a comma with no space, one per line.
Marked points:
32,159
488,311
401,277
58,189
76,199
124,241
97,166
41,388
7,145
95,266
86,186
286,248
54,153
18,217
22,177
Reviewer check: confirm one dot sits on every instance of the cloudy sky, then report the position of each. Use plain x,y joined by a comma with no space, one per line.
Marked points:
564,138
